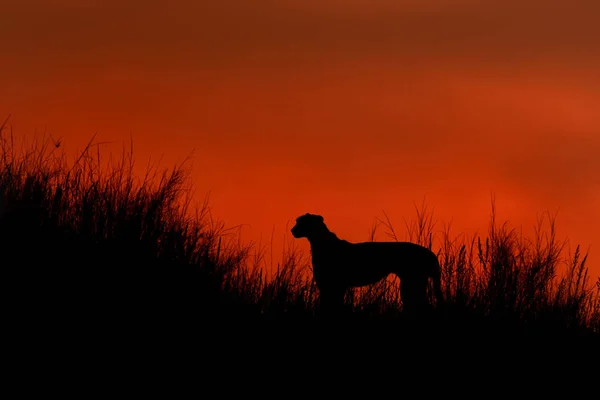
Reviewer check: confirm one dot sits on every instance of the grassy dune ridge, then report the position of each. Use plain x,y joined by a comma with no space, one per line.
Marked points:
89,238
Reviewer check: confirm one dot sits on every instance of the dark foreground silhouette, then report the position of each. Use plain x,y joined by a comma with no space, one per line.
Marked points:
89,245
339,265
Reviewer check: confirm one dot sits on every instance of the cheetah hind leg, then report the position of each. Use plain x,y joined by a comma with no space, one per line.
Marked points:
413,293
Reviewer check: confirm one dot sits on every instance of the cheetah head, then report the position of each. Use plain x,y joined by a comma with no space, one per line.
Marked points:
307,225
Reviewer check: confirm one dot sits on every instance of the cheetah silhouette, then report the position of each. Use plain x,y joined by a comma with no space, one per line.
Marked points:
339,265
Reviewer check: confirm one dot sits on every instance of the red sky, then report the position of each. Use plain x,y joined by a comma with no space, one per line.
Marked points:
343,108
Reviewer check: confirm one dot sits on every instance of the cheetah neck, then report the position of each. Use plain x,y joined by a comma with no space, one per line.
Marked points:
323,237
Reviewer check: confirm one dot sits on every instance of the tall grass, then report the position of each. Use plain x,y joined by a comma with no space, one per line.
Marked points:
89,239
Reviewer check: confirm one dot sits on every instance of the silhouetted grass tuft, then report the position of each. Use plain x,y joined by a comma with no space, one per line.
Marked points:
89,240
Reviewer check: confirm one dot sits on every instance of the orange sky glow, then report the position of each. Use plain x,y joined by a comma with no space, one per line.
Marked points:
344,108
